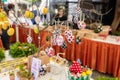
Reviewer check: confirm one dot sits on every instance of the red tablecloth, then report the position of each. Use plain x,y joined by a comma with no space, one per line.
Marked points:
104,57
1,45
13,38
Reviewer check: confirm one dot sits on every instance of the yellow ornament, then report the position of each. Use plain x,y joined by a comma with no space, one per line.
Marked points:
7,23
88,72
45,10
83,74
29,14
36,30
10,31
3,14
4,26
1,23
6,19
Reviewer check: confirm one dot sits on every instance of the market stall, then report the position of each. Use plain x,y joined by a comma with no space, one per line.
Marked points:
54,50
97,54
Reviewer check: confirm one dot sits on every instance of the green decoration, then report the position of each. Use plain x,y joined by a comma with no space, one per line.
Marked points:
69,75
48,38
22,50
78,79
2,54
72,78
87,77
106,78
82,78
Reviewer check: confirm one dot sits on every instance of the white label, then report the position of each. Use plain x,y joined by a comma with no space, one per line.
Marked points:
35,68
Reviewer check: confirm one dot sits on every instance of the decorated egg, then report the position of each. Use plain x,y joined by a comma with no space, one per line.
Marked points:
4,26
29,14
81,25
36,30
3,14
10,31
45,10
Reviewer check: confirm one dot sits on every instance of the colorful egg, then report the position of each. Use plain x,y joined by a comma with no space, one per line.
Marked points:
45,10
36,30
10,31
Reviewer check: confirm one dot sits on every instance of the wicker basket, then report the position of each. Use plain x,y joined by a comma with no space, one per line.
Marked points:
58,64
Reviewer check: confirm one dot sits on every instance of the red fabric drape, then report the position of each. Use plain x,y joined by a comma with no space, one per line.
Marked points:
1,45
13,38
101,56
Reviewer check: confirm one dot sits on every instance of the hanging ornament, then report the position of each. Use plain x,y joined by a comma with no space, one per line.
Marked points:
75,19
50,51
3,14
29,14
54,40
29,39
64,45
36,30
48,38
56,35
57,32
4,26
10,31
60,40
45,10
81,24
78,40
69,36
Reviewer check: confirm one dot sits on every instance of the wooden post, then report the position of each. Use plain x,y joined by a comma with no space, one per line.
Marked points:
17,29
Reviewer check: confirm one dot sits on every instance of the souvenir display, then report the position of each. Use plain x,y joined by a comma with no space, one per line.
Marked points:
49,38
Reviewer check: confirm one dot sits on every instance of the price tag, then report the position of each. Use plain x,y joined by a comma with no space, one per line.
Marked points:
35,68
